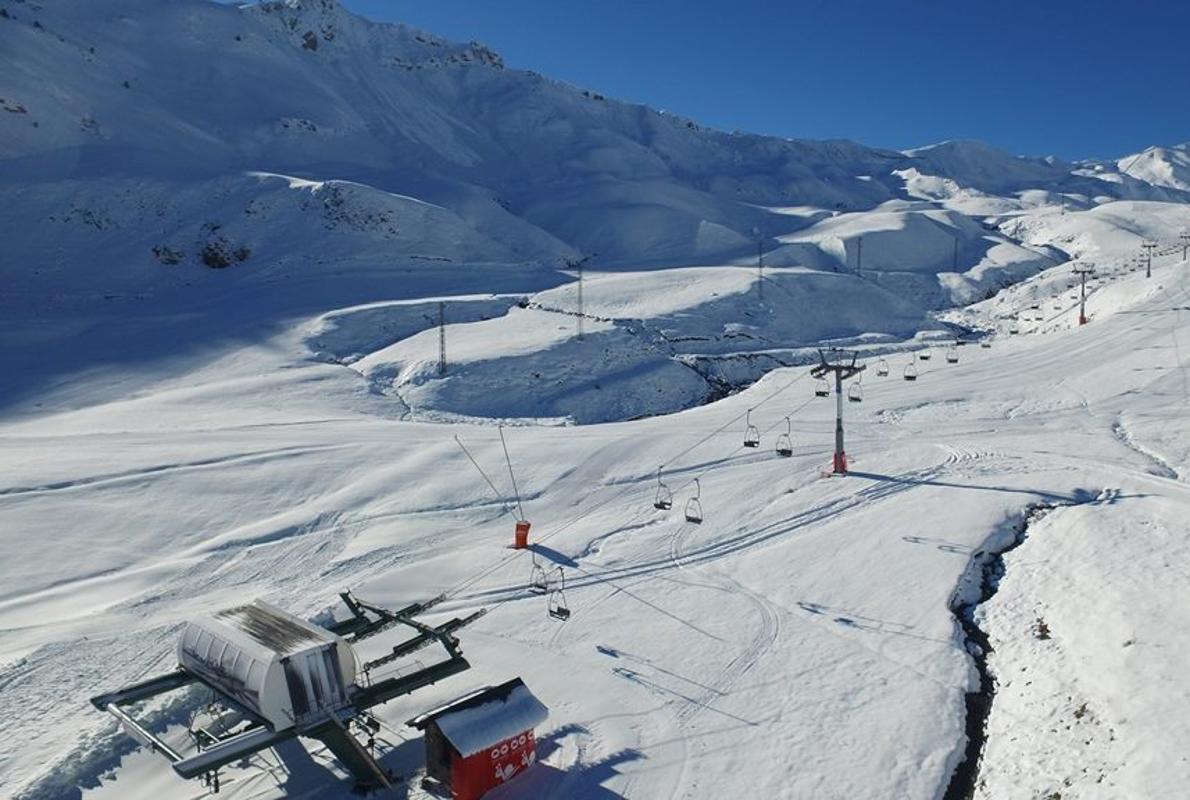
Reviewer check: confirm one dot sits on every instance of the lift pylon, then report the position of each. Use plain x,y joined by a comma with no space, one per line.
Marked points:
842,364
1082,271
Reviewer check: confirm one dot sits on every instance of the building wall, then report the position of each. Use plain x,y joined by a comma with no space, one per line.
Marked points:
475,775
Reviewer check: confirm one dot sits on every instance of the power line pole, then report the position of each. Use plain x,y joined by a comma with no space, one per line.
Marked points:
842,370
1083,270
1149,248
759,270
580,300
441,338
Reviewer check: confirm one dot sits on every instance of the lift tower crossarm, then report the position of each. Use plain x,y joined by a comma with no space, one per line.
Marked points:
836,361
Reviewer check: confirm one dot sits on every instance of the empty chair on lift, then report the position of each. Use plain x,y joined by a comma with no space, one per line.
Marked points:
694,504
952,354
882,368
785,440
924,355
855,392
986,344
539,581
558,609
664,499
751,432
910,371
822,389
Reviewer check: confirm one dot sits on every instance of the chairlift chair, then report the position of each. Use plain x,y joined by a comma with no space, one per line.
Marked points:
557,607
986,344
785,440
664,499
751,432
539,582
952,355
822,389
910,372
855,392
924,355
882,369
694,504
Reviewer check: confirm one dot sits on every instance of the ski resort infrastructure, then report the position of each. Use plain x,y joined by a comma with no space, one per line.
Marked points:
296,303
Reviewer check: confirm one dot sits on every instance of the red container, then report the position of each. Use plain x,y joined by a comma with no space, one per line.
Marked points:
522,534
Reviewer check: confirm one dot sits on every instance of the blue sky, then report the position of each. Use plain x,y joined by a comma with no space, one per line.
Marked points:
1047,77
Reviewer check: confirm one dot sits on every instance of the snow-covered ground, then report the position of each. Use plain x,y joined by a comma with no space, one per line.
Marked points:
220,379
797,643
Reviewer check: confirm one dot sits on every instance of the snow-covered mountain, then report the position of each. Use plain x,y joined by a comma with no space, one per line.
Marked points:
282,159
1160,166
235,240
159,120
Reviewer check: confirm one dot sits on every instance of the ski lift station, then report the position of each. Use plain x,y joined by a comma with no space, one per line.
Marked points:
481,740
274,676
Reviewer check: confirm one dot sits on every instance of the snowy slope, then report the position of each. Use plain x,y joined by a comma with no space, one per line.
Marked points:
1160,166
231,234
804,614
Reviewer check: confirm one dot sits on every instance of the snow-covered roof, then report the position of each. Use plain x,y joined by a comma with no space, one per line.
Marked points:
264,629
486,716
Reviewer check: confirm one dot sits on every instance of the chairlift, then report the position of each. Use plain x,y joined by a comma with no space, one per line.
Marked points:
664,499
785,440
910,371
751,432
822,389
539,582
986,344
924,355
694,504
882,369
952,355
855,393
557,601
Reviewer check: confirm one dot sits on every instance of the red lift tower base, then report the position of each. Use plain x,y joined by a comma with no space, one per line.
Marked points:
840,464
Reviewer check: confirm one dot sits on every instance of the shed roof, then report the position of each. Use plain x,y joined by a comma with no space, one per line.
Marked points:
486,716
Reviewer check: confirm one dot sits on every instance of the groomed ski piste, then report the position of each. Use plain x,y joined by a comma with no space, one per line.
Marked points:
220,336
799,642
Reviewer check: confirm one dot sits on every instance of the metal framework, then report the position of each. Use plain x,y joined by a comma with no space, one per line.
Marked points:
836,362
1082,271
238,732
442,338
1149,247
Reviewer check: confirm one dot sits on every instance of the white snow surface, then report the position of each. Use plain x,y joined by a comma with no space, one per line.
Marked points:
178,438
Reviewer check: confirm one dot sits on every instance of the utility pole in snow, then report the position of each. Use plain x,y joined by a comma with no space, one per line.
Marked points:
441,338
1185,237
1149,248
842,370
759,270
1082,271
580,300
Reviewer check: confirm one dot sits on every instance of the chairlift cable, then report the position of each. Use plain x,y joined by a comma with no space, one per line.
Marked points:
475,463
515,491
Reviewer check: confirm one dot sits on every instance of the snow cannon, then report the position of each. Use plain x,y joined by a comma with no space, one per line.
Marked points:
273,676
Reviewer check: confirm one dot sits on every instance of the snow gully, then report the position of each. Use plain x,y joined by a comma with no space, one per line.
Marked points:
978,585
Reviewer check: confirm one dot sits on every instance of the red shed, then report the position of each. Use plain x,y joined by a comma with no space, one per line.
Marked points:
481,740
